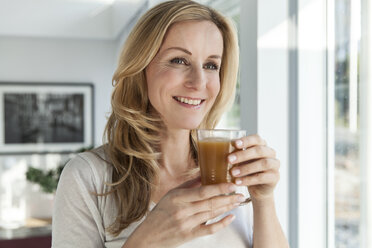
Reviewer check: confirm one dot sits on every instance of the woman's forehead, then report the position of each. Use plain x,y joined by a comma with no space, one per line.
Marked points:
194,33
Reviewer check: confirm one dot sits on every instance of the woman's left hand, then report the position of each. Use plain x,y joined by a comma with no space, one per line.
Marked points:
255,165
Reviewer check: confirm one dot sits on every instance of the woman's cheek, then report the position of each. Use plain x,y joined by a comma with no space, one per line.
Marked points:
216,86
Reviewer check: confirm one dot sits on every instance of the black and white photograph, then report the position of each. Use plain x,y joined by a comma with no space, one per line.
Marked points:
45,117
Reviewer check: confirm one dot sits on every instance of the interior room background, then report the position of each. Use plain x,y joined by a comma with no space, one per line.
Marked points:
304,85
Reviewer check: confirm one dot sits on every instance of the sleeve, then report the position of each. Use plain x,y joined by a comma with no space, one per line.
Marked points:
77,221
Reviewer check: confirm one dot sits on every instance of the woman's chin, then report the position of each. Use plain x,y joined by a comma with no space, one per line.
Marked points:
190,125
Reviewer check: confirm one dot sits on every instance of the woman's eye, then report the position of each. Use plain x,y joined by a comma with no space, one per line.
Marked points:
178,61
211,66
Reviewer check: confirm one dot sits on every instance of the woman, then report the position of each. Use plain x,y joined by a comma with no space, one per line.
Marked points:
176,73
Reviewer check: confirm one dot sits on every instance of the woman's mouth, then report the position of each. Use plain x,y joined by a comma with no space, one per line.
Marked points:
189,101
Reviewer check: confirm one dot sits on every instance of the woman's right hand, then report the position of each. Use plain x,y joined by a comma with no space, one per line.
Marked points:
181,215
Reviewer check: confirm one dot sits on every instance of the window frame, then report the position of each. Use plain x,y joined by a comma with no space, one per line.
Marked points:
312,123
296,133
310,138
365,93
264,85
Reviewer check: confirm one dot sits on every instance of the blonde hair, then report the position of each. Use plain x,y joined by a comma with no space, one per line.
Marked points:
133,128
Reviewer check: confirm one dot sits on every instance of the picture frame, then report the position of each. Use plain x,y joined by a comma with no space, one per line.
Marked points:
46,117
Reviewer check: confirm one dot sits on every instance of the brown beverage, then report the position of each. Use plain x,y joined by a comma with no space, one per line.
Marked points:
213,163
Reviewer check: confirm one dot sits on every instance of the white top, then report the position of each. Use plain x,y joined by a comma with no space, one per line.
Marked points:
80,217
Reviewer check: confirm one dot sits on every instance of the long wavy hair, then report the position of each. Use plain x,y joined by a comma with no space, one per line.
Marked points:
132,131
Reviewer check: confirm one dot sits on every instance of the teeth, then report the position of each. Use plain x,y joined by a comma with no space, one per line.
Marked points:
188,101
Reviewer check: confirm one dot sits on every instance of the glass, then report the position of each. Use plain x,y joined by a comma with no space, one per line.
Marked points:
214,145
347,175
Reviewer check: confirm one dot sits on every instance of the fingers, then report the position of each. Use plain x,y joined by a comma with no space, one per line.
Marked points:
269,178
186,202
190,215
210,198
206,192
203,217
203,230
251,153
249,141
255,167
218,202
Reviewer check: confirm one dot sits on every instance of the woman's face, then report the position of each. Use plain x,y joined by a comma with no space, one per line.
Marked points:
183,79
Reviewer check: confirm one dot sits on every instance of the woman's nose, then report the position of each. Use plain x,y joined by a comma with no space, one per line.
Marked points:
197,79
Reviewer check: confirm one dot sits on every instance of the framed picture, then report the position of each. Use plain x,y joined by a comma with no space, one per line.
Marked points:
45,117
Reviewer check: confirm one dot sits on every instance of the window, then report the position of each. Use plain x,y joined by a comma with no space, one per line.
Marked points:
347,166
350,122
334,123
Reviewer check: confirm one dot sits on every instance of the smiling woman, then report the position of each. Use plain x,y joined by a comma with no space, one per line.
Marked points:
177,72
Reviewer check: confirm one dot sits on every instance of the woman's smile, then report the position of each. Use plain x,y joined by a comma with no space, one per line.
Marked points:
189,102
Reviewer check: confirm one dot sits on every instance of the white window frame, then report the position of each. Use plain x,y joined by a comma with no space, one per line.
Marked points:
312,123
283,95
366,123
310,140
330,206
264,84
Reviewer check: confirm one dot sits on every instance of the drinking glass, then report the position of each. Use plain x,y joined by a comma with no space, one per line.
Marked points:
214,145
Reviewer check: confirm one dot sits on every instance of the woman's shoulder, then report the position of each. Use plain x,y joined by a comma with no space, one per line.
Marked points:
95,158
89,166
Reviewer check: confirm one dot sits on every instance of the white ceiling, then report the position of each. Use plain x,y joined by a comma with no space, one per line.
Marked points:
88,19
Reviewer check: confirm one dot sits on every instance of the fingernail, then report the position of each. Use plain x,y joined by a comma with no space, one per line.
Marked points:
232,188
239,143
238,181
235,172
232,158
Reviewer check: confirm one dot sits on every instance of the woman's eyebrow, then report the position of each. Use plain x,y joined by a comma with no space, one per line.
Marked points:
179,48
188,52
215,57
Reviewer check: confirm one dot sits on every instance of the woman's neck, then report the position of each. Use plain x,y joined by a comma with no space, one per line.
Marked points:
175,163
176,158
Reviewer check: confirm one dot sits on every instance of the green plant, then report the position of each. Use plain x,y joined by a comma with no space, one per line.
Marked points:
48,180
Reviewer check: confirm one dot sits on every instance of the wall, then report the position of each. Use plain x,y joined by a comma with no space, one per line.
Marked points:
129,26
50,60
61,60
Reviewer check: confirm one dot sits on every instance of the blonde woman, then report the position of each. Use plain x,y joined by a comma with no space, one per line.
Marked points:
177,72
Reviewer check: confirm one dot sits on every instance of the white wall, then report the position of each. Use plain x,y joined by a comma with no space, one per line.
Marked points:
125,32
62,60
49,60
